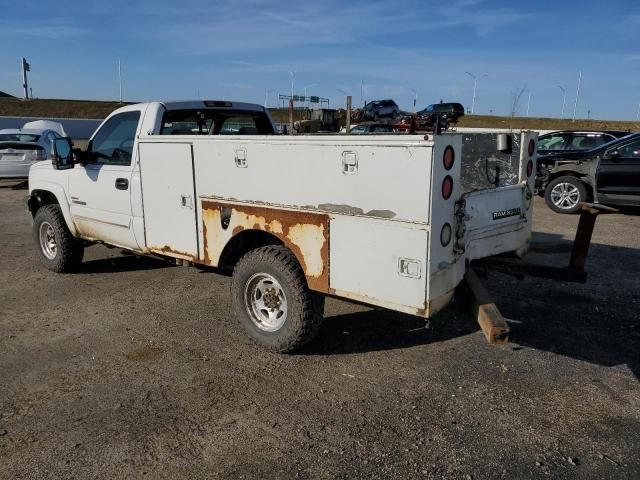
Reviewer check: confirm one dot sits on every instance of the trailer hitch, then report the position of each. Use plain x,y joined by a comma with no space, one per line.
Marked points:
492,323
574,271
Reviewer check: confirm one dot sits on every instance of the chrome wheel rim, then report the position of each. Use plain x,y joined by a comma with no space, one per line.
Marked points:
48,242
266,302
565,195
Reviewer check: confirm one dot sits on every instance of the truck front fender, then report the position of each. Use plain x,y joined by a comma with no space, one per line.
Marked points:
40,189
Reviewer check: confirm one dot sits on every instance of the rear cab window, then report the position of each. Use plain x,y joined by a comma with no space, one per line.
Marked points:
215,122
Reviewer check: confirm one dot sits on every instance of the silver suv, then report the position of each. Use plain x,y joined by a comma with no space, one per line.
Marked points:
381,108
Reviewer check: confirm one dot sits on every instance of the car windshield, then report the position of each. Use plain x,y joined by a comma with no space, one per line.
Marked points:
372,105
18,137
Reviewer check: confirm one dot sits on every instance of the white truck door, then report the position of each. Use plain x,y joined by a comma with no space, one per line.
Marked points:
99,192
169,199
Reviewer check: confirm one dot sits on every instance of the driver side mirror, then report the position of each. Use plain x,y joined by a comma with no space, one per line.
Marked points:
62,154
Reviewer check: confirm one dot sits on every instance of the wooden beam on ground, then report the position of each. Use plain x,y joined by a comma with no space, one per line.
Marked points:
491,321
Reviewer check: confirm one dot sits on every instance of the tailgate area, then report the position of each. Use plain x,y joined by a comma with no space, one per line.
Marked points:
497,221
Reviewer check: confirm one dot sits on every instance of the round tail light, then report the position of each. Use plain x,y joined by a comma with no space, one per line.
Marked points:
448,158
445,234
447,187
532,147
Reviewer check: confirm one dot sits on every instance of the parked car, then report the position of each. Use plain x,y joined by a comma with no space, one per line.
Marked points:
21,148
608,174
450,111
568,141
371,128
381,108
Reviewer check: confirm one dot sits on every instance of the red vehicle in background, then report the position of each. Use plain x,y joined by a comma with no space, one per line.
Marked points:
420,122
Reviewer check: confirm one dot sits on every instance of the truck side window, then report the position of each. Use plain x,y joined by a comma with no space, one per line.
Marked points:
113,144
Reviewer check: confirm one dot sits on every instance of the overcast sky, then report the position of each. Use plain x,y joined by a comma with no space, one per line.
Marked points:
246,49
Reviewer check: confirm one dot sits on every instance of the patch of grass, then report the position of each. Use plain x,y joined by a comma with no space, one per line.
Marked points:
52,108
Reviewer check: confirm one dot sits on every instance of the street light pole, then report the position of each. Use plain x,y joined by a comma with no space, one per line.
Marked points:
293,74
575,105
564,98
475,84
475,87
415,99
120,79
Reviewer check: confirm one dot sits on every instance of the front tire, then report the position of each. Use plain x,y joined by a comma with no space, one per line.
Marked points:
272,301
564,194
58,250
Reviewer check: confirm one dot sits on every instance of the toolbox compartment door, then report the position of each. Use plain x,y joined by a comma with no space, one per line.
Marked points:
169,200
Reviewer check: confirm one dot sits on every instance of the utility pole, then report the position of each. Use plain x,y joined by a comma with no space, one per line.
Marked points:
25,68
361,88
528,104
415,99
638,114
575,105
564,99
120,79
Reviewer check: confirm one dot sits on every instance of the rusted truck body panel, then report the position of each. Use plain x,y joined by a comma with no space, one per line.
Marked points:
365,217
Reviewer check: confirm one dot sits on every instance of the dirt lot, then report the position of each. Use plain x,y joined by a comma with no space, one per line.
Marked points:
135,367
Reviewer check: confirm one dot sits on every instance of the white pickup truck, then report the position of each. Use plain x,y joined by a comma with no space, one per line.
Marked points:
381,220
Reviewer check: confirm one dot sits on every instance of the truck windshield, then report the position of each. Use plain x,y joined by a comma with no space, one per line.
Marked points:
215,122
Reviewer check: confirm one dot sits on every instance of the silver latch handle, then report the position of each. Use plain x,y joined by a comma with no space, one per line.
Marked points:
186,201
349,163
240,158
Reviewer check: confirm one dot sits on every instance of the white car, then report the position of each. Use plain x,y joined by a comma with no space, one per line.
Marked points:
21,148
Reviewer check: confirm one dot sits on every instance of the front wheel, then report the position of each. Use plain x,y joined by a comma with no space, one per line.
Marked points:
564,194
57,248
272,301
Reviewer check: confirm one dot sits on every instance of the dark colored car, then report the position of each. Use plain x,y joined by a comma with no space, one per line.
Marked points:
381,108
608,174
568,141
450,111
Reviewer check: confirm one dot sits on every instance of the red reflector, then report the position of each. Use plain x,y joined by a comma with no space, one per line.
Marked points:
447,187
448,158
532,147
529,168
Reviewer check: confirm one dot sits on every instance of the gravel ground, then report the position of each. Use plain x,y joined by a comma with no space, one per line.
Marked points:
134,367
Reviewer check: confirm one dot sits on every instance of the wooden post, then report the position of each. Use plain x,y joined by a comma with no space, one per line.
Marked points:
348,114
291,116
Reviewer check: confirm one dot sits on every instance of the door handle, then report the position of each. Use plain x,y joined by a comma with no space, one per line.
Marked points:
122,183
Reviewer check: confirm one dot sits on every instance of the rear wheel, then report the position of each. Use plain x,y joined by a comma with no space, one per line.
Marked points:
564,194
272,301
57,248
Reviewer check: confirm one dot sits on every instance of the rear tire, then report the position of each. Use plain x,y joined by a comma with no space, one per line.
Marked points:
58,250
271,299
564,194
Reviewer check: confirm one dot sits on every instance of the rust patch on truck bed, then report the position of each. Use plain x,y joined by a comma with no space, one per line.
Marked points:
306,234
